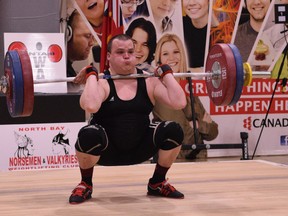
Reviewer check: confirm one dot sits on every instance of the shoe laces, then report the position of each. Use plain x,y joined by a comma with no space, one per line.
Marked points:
166,188
80,189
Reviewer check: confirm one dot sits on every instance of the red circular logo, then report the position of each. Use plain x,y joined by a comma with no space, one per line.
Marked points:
17,45
55,53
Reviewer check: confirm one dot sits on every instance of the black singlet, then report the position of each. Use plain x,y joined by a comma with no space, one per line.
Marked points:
125,122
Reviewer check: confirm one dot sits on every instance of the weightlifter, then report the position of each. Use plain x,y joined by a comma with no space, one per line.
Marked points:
120,131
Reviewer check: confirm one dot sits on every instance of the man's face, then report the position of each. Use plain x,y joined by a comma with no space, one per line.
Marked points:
128,11
140,38
128,7
122,57
92,9
257,9
81,42
196,9
162,8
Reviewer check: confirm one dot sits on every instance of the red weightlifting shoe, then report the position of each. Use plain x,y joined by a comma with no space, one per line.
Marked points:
81,193
164,189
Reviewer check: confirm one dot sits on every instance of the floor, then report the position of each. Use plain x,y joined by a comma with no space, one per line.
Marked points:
202,157
281,159
217,187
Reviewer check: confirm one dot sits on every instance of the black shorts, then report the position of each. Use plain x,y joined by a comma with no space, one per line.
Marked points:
143,151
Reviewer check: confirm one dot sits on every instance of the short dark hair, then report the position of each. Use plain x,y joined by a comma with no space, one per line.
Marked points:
122,37
148,27
72,19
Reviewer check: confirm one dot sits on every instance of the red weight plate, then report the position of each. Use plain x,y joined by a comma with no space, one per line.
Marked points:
55,53
17,45
221,64
28,83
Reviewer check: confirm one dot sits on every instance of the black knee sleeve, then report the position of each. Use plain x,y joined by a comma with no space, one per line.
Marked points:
168,135
92,139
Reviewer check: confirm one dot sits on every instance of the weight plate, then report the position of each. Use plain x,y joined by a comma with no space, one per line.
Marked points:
239,74
28,82
248,74
15,93
221,64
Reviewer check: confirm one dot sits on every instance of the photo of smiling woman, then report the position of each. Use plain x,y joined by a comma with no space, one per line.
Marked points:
170,50
143,34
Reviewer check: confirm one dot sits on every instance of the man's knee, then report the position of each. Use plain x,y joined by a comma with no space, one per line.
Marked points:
168,135
92,139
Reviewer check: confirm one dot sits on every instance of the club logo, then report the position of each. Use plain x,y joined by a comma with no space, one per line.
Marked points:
54,54
60,144
25,146
247,123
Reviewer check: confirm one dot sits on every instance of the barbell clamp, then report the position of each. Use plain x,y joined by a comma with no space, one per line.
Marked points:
3,84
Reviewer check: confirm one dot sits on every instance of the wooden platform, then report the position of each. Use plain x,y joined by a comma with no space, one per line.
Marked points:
211,188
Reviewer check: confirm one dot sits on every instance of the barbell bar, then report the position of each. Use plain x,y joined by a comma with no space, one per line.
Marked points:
225,77
4,83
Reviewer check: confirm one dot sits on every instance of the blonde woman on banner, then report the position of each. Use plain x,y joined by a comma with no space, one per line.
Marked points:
170,50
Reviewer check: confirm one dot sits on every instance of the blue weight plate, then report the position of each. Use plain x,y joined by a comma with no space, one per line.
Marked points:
239,74
15,93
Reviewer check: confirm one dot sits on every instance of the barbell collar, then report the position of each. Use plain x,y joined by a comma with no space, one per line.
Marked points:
3,84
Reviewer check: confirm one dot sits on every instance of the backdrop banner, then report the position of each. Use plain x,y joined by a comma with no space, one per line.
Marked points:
39,146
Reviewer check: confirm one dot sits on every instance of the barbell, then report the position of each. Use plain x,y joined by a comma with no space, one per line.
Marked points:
225,77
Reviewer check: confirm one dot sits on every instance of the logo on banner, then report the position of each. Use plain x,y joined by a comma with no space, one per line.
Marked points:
25,146
247,123
284,140
60,144
57,154
54,54
258,123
